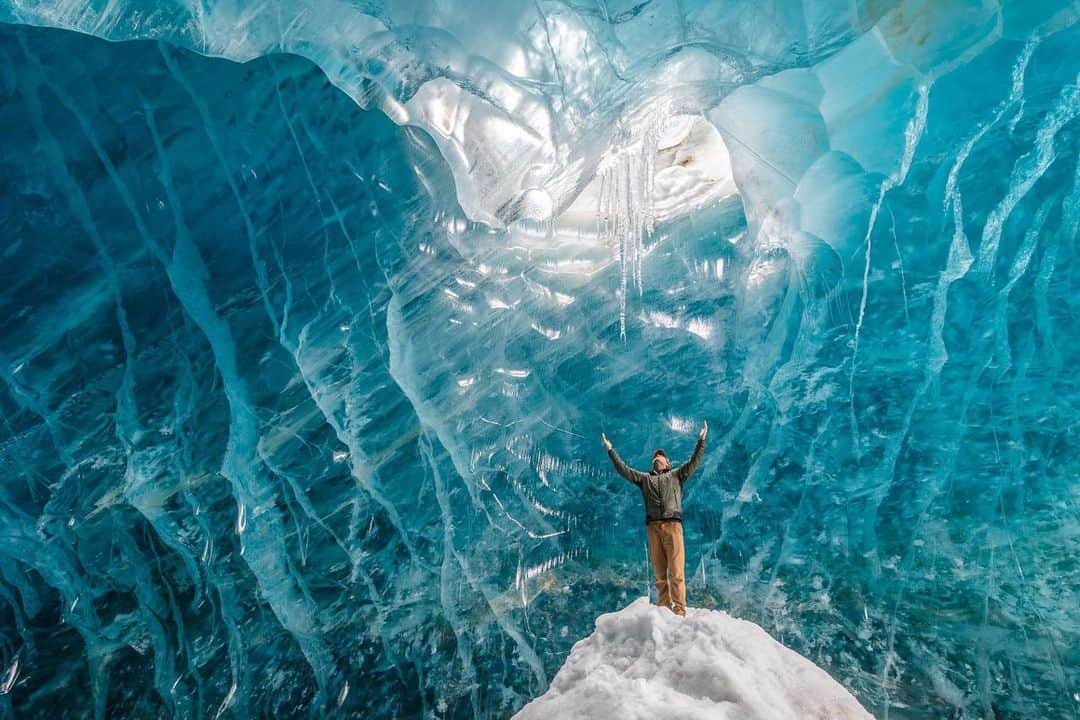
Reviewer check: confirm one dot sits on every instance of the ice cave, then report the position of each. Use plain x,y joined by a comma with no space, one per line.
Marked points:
312,314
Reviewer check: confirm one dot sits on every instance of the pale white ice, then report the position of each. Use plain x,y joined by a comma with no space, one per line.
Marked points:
645,662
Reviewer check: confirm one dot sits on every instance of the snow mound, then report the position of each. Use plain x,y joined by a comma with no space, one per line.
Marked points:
645,662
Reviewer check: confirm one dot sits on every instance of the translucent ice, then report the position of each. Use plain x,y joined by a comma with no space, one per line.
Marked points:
304,358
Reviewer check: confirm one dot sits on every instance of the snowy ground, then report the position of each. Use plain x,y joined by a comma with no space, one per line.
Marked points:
645,662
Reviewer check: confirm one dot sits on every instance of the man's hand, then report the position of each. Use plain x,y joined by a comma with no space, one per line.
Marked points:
704,430
607,443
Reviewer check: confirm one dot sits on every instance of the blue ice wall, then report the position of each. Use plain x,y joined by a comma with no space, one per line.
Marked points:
301,401
195,328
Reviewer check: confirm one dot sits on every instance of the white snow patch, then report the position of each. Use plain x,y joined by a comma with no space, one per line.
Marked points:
643,662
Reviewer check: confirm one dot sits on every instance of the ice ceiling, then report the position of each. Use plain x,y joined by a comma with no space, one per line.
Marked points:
311,314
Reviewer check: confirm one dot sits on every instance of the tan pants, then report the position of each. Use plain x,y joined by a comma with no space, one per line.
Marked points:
668,557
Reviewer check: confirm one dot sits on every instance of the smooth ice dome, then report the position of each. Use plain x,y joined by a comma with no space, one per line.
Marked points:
644,662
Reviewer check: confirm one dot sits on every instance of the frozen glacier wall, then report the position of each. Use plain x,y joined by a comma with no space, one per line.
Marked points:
311,314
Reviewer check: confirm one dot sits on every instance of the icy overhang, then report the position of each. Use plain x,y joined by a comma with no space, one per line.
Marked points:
526,101
619,117
691,169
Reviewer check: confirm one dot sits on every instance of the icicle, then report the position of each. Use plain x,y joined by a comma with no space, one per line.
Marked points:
624,209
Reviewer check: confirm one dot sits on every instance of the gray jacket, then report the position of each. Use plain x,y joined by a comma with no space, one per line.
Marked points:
662,492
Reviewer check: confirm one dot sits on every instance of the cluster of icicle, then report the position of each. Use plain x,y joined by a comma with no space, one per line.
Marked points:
625,209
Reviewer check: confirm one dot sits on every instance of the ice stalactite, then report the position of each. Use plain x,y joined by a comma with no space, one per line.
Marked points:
625,217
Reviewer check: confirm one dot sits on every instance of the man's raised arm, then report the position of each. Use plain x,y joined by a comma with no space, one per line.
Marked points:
634,476
685,471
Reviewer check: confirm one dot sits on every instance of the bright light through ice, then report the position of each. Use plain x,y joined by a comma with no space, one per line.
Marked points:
680,424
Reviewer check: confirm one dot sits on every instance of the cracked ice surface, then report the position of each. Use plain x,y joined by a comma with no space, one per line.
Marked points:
300,398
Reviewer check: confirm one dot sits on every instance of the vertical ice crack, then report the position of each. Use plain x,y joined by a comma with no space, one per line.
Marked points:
361,466
913,133
526,651
446,599
959,256
59,568
142,486
259,266
403,373
228,606
264,551
1026,172
321,396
